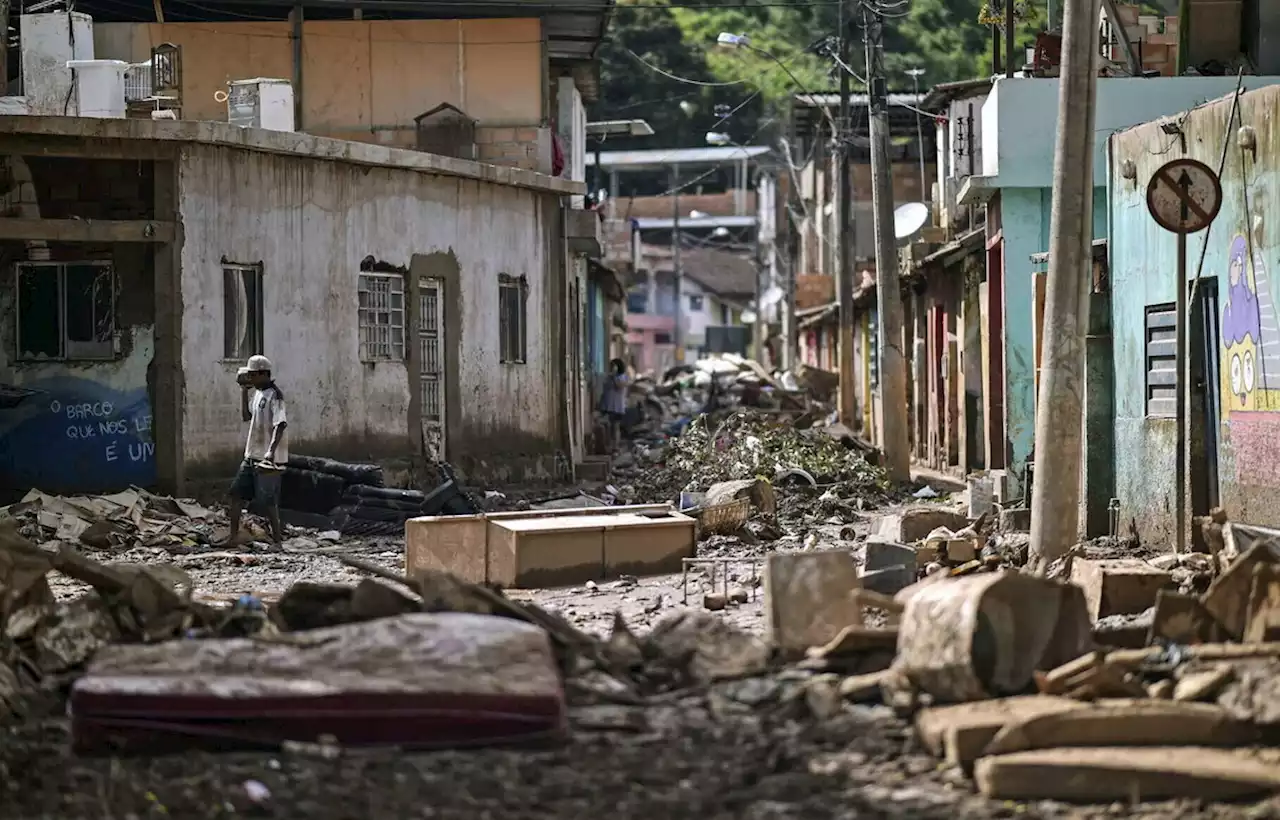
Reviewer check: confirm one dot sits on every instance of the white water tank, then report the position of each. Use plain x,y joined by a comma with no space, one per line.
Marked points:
260,103
100,87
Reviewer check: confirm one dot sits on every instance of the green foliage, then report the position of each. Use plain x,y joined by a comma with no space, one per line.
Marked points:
944,37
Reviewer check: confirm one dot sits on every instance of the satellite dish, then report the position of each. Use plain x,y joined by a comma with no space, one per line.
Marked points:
908,219
772,296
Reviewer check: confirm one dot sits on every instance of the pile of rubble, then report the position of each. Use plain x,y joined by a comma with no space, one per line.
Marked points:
1016,679
748,445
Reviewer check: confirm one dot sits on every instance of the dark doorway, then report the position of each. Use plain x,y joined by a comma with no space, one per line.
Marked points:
1206,380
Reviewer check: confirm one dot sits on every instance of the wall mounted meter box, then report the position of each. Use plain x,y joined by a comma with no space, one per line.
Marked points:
260,103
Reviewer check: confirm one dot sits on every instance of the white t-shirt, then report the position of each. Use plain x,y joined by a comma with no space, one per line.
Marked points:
266,410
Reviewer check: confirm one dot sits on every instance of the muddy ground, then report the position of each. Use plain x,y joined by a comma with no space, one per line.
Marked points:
742,749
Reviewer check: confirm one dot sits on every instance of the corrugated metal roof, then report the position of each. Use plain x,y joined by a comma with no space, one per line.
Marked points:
574,28
943,93
692,223
664,157
832,99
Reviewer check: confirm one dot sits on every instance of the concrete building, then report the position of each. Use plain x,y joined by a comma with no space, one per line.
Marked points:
729,200
1019,123
1233,327
718,285
812,236
413,304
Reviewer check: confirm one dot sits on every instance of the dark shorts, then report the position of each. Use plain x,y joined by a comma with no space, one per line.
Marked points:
250,485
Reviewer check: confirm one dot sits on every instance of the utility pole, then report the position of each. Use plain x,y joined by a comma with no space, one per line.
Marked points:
845,260
1055,494
676,271
915,87
893,364
1010,34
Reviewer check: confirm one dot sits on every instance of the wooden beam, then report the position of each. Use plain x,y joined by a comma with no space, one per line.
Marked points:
86,147
86,230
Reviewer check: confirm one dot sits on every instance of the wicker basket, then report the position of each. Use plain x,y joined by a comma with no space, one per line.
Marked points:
724,519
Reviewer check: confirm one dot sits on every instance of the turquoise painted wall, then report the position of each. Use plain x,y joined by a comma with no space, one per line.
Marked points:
1019,122
1242,255
1020,119
1025,215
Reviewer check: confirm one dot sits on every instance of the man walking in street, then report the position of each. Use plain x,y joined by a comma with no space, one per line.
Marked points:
266,450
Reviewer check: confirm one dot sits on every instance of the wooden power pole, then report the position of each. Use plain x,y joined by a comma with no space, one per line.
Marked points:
892,402
845,259
1055,495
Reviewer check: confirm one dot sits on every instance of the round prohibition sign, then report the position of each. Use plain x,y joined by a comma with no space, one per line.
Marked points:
1184,196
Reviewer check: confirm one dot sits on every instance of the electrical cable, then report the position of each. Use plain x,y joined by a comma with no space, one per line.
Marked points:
678,78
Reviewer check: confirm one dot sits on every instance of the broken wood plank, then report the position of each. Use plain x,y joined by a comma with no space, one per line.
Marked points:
1204,684
1262,623
86,230
968,726
1126,723
1183,620
855,639
1103,775
1227,599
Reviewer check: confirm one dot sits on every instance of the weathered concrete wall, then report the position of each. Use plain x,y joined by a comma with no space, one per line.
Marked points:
1025,220
1243,248
310,223
86,425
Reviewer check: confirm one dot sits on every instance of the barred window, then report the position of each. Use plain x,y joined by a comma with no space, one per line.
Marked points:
242,324
381,317
513,297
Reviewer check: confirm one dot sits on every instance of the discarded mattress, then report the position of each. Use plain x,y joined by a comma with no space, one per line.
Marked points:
423,680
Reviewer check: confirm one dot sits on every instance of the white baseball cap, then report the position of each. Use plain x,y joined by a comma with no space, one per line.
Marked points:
259,364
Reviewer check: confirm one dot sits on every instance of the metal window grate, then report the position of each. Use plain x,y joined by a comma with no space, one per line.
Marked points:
429,345
381,299
512,316
1161,353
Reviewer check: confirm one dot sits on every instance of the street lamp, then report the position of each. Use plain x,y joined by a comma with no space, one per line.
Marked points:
916,73
729,40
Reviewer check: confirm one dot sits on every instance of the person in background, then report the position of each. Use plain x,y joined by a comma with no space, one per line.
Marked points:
266,450
613,401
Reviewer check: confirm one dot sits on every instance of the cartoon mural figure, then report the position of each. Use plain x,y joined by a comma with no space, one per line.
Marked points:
1241,325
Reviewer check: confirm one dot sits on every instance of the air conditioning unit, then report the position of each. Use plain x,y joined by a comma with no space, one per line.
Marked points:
260,103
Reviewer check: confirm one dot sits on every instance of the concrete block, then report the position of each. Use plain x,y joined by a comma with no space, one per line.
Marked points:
889,580
637,545
1016,520
961,550
914,524
540,549
455,543
807,598
526,134
1119,586
882,554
